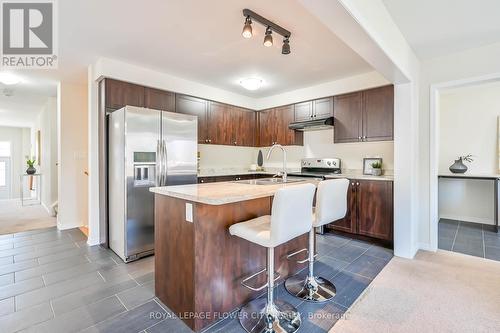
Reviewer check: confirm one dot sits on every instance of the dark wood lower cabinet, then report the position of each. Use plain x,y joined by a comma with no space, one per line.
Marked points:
369,210
348,223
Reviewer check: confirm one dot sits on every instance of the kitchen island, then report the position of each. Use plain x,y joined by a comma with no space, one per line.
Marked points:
198,264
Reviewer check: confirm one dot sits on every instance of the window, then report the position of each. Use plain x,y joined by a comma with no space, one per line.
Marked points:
3,173
5,149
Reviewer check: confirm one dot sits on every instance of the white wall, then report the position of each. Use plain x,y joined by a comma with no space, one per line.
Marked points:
367,27
332,88
20,148
72,119
459,66
46,123
468,119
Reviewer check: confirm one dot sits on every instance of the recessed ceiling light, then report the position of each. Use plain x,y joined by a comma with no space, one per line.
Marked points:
9,79
251,83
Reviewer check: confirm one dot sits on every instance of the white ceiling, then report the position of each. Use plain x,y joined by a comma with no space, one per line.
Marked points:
438,27
201,41
27,98
195,40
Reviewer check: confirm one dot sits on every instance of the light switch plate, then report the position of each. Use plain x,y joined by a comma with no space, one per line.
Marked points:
189,212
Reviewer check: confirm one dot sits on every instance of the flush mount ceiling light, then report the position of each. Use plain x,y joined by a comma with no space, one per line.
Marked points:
251,83
9,79
270,28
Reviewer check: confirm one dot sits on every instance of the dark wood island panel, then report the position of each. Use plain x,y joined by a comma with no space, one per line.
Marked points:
199,266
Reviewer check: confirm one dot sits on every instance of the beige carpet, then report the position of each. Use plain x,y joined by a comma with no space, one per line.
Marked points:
435,292
17,218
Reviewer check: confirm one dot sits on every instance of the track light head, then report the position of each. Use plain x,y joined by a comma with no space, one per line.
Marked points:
285,49
247,28
268,40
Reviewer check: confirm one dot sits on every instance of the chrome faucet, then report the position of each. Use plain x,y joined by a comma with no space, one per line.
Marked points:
283,173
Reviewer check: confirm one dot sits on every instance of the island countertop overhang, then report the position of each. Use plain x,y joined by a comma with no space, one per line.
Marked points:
224,192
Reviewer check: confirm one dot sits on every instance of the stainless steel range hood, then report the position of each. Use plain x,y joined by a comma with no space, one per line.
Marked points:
312,125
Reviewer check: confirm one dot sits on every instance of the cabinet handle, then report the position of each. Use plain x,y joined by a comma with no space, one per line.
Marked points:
202,181
364,137
206,140
209,141
357,184
235,143
359,138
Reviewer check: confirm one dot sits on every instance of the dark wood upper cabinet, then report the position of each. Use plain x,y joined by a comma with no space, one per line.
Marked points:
196,107
220,125
378,114
323,108
283,116
265,132
303,111
349,222
375,207
119,94
159,99
316,109
364,116
348,117
243,127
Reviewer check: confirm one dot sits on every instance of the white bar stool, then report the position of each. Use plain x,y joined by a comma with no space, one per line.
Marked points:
331,205
291,216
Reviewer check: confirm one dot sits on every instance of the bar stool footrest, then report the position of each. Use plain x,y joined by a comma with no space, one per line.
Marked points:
291,255
244,284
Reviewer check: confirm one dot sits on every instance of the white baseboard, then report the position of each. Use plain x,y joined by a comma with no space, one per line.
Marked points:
47,209
471,219
66,227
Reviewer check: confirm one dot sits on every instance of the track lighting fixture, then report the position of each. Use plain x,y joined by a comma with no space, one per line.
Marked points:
285,49
268,40
247,28
270,28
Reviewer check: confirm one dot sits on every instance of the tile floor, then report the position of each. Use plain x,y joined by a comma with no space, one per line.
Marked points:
51,281
474,239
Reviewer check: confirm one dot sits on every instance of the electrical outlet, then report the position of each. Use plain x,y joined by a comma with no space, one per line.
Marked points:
189,212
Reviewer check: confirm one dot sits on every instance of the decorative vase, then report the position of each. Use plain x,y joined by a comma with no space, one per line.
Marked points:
260,159
458,166
376,172
31,170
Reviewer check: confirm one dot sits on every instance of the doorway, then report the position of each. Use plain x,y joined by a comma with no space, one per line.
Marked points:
465,118
5,177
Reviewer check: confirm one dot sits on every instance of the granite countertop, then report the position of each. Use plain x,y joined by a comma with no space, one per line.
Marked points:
347,173
214,172
360,176
223,192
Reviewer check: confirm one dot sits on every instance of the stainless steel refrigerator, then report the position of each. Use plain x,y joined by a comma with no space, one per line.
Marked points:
146,148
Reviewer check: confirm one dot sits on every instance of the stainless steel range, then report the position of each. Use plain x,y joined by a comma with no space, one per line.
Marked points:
318,167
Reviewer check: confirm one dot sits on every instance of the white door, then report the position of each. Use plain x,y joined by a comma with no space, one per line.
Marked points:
5,178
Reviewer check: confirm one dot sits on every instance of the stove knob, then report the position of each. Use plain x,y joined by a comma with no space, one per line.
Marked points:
329,163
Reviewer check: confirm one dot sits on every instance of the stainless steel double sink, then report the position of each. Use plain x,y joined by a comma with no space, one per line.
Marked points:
270,181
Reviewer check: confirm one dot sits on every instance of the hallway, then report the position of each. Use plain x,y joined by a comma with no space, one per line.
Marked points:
16,218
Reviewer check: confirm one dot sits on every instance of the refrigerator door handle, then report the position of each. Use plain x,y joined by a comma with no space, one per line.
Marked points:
164,163
158,164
